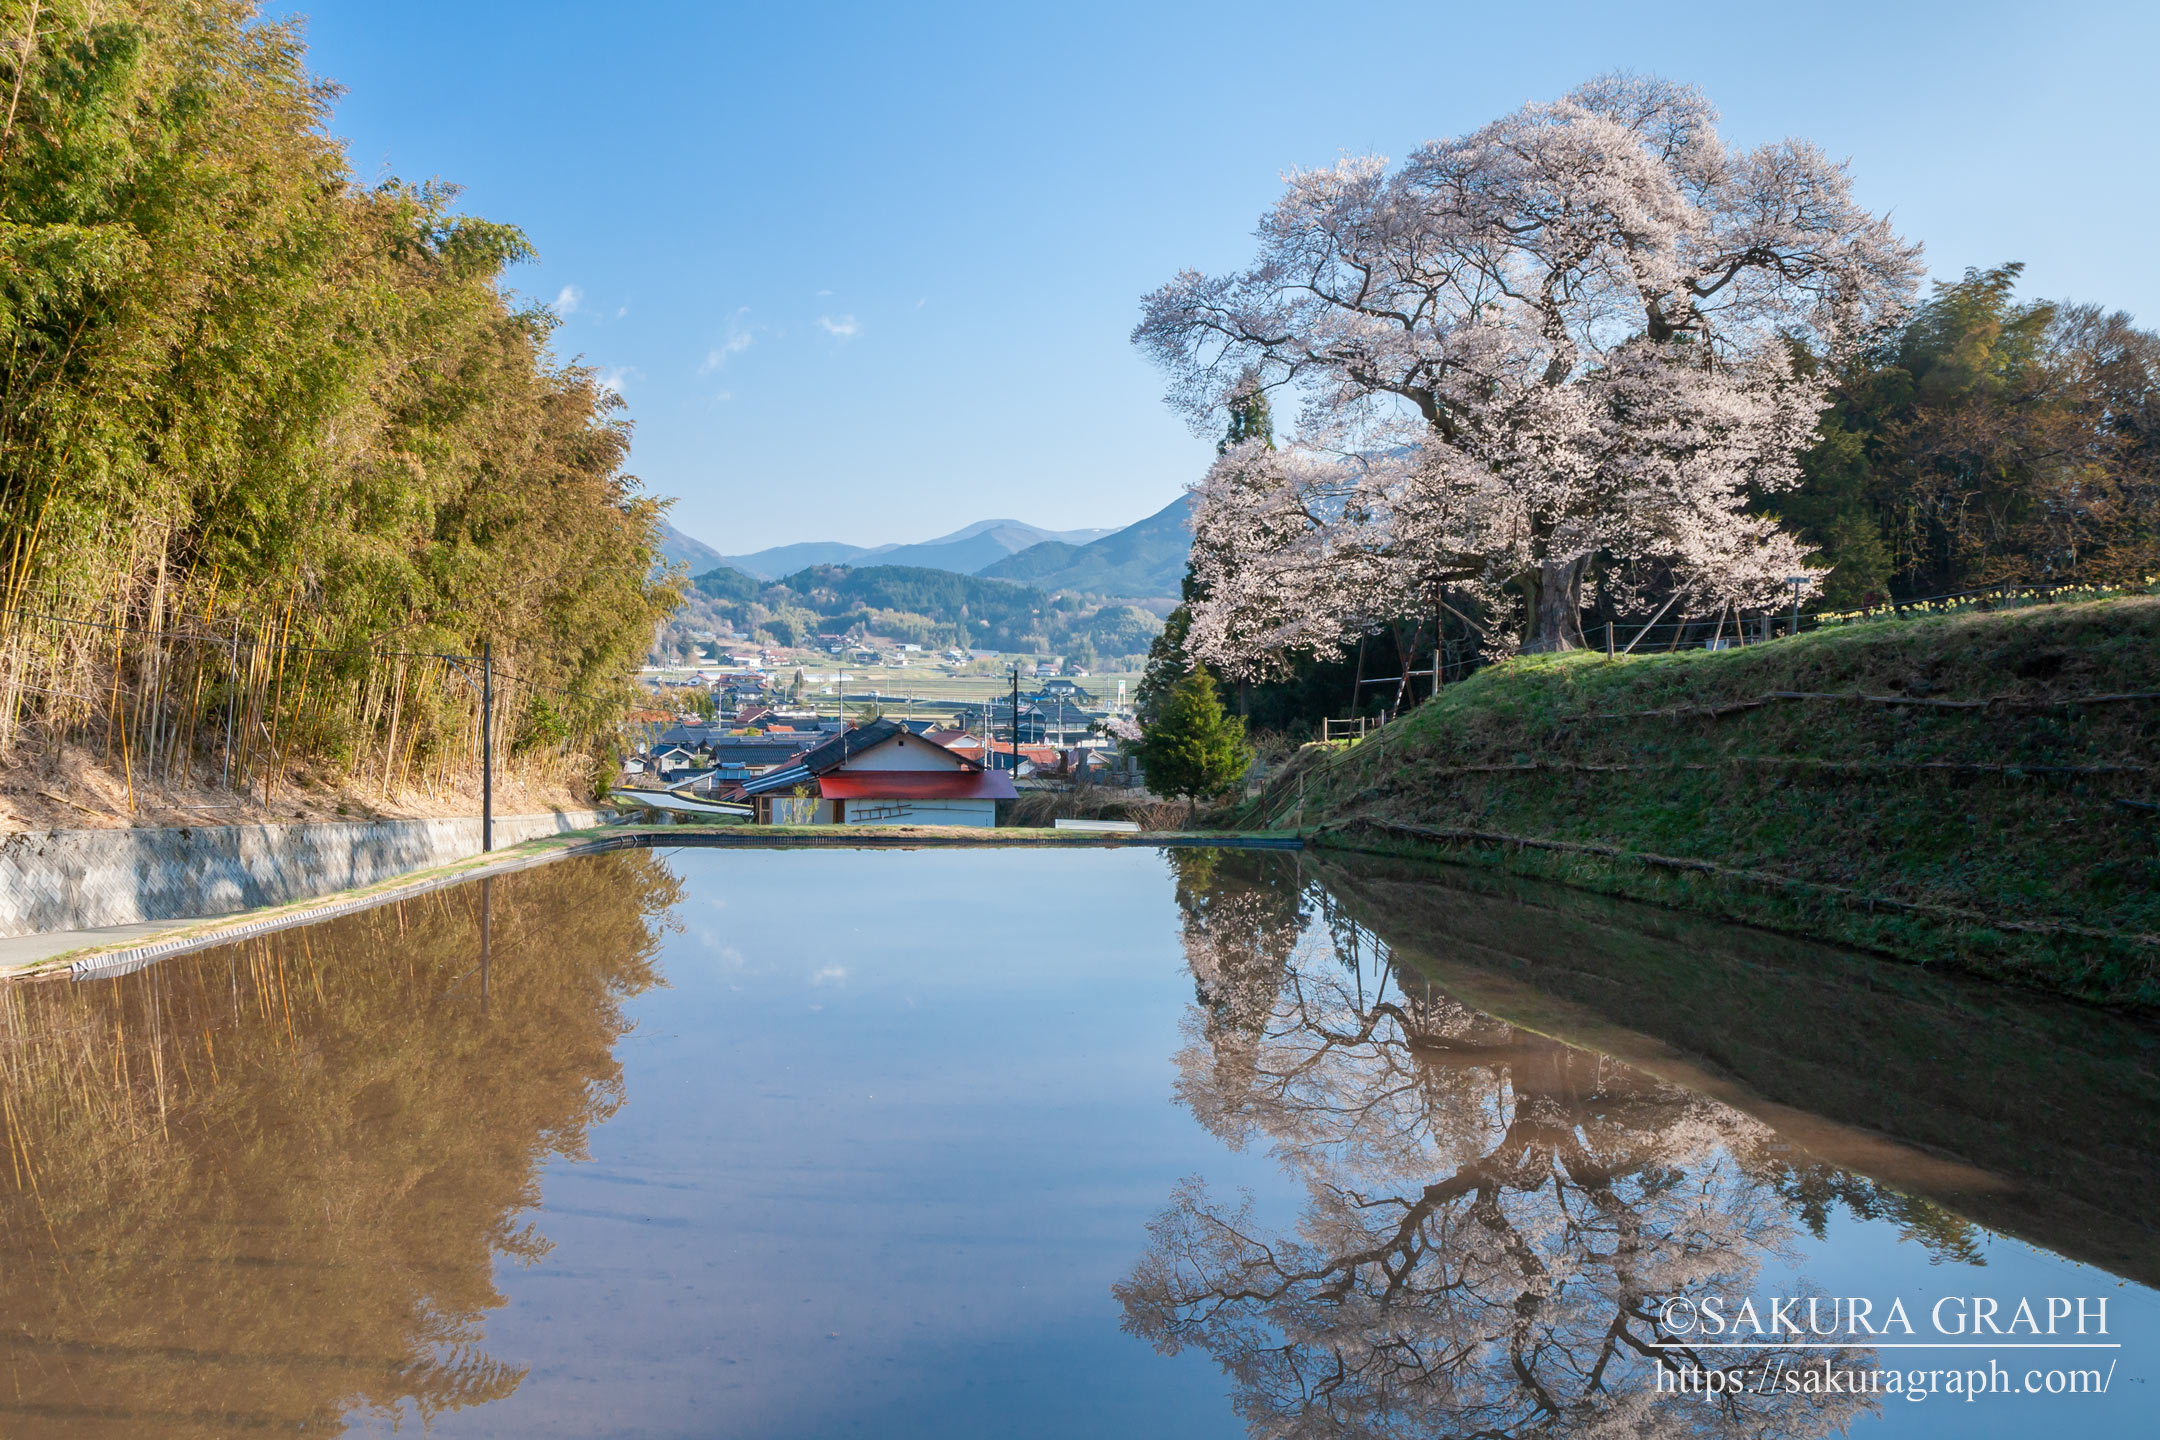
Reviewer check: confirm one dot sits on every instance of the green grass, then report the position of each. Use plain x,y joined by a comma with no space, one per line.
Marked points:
1829,793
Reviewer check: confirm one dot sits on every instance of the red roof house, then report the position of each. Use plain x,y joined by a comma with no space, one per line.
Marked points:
880,774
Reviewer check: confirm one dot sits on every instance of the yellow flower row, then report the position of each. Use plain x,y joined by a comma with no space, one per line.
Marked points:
1948,605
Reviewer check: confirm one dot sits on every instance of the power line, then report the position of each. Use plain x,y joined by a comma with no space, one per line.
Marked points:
226,641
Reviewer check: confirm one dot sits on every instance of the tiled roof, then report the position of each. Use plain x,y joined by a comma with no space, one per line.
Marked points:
786,777
824,756
688,734
760,752
830,755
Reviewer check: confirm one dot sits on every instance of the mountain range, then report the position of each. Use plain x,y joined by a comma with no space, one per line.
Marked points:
965,551
677,548
1144,559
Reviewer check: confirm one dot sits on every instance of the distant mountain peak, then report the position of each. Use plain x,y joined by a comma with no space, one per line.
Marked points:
966,551
1145,559
677,548
969,532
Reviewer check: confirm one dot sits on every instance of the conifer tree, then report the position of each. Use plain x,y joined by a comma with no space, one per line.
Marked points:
1192,747
1250,420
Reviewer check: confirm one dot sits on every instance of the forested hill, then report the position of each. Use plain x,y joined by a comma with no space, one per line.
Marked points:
677,548
1143,559
245,393
915,605
908,587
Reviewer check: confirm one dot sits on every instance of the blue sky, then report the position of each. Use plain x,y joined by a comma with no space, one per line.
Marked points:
866,272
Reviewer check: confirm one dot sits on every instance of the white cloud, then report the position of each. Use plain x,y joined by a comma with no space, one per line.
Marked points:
567,300
823,293
736,342
615,377
830,975
845,327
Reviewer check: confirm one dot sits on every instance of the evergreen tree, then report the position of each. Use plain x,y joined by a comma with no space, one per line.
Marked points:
1167,664
1250,418
1990,439
1192,747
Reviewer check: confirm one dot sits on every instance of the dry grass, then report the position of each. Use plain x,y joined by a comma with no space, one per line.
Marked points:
1039,808
71,790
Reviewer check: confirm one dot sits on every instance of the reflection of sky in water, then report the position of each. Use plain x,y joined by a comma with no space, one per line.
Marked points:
1870,1259
894,1129
897,1125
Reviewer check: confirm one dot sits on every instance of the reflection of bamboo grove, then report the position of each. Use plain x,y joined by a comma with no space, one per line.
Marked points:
266,1185
1492,1219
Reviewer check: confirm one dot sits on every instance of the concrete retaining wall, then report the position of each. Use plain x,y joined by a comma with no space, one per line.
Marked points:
53,880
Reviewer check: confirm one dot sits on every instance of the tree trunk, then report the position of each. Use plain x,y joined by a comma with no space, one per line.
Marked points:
1552,596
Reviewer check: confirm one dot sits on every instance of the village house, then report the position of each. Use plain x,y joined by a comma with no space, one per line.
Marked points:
997,754
879,774
671,758
1068,690
1054,721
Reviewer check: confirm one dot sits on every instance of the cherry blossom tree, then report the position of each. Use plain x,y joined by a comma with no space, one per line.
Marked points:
1588,329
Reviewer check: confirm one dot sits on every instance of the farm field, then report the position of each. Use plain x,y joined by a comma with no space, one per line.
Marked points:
927,683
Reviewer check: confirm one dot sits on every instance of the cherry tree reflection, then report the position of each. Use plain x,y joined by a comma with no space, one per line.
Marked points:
1492,1220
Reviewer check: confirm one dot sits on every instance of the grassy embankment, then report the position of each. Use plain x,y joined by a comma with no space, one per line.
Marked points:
1972,790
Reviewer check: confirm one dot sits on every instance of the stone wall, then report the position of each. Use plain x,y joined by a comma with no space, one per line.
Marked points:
54,880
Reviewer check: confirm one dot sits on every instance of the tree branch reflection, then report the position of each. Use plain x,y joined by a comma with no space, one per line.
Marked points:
1492,1220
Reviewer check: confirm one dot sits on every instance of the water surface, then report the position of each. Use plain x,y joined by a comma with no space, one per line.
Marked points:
956,1143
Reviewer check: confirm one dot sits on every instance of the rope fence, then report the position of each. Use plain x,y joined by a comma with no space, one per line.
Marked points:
1726,627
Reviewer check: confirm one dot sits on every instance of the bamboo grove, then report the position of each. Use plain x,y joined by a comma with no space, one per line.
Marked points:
272,441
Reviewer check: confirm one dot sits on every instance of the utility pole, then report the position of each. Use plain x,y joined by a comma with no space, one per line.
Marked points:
487,745
1796,581
1016,721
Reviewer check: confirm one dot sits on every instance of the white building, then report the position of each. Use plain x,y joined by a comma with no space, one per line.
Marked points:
880,774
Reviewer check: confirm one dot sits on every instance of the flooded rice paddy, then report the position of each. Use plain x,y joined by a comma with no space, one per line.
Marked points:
1055,1143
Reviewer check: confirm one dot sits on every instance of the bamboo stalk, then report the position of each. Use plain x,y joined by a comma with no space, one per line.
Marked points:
397,709
276,701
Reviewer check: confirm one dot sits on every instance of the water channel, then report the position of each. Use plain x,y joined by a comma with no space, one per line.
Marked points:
954,1143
